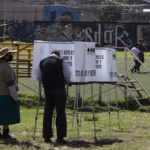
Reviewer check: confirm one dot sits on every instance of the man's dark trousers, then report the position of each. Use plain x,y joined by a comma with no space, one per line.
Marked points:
54,99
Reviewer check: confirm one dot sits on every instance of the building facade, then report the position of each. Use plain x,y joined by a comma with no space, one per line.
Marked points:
116,25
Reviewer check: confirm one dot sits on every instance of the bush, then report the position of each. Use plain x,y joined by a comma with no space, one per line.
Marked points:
28,100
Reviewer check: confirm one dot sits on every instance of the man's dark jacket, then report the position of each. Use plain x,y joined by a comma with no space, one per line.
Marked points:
52,73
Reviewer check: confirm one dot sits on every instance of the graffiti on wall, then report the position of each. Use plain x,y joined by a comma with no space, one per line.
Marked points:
101,33
53,32
21,31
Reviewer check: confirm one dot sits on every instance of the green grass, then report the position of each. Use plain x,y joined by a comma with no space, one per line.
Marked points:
133,133
28,86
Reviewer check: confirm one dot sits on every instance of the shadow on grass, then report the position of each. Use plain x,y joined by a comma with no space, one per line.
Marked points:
83,143
22,144
143,72
86,143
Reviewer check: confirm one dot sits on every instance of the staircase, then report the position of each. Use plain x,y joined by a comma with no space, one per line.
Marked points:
134,87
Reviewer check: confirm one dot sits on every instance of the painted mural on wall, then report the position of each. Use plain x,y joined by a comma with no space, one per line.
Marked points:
61,13
101,33
21,31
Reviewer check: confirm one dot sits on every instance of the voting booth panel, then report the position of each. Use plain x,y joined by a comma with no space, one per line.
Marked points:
106,68
80,57
41,50
86,63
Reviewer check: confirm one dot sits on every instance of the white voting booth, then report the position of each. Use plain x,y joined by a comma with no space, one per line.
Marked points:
79,56
86,63
106,69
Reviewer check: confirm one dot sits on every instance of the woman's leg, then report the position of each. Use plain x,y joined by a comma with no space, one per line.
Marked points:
6,132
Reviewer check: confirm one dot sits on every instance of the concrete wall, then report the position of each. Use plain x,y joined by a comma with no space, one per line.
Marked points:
20,12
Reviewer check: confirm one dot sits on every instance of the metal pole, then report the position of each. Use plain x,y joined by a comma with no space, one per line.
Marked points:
100,94
109,112
126,66
81,101
117,107
37,109
77,108
94,124
125,89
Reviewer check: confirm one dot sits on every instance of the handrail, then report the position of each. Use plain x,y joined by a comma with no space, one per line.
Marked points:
26,47
140,85
129,90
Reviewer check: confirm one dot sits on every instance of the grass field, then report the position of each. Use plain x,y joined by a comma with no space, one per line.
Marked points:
133,133
114,130
31,87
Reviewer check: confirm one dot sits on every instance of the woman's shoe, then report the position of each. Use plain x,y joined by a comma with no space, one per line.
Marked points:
6,134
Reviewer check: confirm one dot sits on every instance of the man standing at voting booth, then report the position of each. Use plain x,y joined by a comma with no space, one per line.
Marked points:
54,74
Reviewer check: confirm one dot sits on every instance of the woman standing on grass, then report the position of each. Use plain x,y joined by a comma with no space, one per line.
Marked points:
9,107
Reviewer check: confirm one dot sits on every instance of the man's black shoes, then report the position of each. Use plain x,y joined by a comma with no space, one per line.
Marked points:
61,141
58,141
48,141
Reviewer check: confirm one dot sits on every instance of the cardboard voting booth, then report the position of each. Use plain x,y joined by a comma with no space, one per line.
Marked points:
80,57
106,68
86,63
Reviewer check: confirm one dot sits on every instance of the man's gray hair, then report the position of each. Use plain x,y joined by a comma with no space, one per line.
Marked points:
57,52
